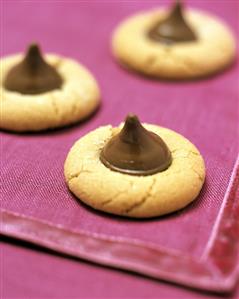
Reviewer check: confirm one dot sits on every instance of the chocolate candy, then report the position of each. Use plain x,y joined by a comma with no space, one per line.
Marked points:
33,75
173,29
135,150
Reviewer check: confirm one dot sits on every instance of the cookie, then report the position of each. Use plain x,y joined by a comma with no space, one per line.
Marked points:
38,95
151,190
174,44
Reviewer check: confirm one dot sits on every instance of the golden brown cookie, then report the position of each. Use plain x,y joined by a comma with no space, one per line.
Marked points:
212,51
134,195
76,99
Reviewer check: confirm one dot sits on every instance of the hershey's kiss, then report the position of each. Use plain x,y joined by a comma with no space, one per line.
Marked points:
33,75
135,150
174,28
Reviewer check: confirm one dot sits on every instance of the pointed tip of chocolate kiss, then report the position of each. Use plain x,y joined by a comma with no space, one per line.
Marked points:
33,49
135,150
33,46
33,75
174,28
131,118
178,4
33,57
177,7
132,130
176,11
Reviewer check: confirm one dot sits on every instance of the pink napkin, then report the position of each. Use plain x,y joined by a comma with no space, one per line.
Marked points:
198,246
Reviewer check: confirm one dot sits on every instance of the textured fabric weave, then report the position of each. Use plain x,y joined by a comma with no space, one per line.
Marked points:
205,111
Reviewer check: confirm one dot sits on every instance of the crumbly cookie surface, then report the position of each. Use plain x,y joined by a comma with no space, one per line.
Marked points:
213,51
134,196
77,99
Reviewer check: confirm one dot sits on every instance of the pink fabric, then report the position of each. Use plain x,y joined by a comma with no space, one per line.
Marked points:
216,270
204,111
46,275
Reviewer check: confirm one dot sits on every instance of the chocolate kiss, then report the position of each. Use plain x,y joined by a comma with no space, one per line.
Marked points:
135,150
174,28
33,75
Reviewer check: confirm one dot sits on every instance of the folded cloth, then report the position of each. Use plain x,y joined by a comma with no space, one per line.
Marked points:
197,246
